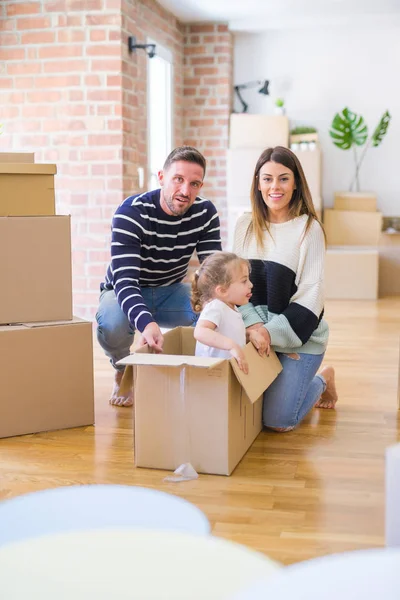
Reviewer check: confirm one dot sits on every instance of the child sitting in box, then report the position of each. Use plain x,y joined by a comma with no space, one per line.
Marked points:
220,285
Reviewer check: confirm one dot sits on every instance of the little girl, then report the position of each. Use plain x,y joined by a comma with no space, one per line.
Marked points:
220,284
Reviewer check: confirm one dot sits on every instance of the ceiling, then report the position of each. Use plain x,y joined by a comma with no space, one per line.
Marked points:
261,15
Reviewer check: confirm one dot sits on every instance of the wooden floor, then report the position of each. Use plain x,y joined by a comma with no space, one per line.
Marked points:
317,490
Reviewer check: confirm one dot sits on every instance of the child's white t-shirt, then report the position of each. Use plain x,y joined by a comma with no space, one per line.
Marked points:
229,322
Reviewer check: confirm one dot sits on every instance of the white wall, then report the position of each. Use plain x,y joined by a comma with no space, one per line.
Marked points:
324,70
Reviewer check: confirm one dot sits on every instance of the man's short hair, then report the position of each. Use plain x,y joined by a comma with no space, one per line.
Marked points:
186,153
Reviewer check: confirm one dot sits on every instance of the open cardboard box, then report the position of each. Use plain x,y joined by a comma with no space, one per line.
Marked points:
204,411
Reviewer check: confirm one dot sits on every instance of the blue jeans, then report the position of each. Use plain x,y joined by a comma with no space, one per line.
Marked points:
294,392
169,305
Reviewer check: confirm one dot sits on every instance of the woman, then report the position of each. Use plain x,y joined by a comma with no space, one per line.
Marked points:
285,244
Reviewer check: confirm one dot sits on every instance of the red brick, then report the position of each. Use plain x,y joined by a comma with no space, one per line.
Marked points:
24,83
104,95
56,82
48,96
114,36
6,82
33,23
195,50
222,27
76,95
93,80
9,39
61,51
206,71
56,6
202,60
38,141
23,8
99,154
23,68
201,122
66,36
113,19
98,35
110,64
12,54
104,139
9,112
104,50
210,39
65,66
38,37
202,28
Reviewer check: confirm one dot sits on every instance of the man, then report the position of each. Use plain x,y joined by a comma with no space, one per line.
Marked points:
154,235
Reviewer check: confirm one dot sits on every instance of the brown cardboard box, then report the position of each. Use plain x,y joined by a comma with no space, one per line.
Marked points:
17,157
352,228
356,201
35,269
240,165
311,161
389,264
192,409
351,273
258,131
46,375
27,189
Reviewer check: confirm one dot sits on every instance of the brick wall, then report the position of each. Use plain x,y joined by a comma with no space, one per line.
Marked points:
70,92
60,96
208,60
146,19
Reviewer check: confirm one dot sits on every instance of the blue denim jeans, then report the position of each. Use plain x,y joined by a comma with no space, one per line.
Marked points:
294,392
169,305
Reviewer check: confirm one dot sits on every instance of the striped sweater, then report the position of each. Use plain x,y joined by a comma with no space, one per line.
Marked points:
150,248
288,278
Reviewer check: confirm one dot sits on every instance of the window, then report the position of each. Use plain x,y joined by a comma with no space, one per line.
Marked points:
159,113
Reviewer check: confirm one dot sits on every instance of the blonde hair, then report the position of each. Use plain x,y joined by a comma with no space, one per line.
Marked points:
217,269
300,204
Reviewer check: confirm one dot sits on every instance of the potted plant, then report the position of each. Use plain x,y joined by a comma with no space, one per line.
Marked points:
279,106
349,130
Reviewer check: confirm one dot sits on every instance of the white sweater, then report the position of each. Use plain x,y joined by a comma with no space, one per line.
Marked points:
288,278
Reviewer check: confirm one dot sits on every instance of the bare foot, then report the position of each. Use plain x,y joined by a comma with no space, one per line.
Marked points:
282,429
329,397
116,399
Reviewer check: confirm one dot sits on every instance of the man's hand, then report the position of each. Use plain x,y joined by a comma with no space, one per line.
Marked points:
153,337
260,338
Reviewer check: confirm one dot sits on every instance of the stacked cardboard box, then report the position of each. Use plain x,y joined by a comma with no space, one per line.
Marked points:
249,136
353,230
46,371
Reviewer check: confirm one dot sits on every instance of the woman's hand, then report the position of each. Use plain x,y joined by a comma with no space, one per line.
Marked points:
237,352
260,339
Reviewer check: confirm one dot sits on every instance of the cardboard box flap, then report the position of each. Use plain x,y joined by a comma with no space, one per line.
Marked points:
27,169
262,372
170,360
53,323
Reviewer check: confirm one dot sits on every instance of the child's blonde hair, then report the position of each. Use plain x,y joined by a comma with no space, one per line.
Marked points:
217,269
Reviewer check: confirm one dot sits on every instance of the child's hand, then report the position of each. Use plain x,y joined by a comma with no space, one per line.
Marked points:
237,352
261,340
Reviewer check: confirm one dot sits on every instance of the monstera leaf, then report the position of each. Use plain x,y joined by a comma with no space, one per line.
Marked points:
348,129
381,129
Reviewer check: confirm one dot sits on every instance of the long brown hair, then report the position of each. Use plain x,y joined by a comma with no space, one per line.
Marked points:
300,204
217,269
